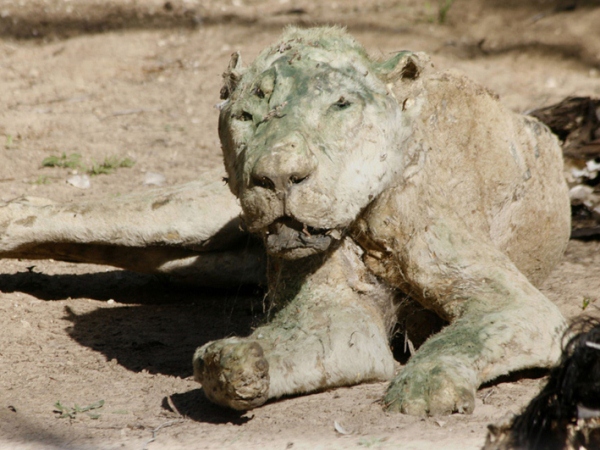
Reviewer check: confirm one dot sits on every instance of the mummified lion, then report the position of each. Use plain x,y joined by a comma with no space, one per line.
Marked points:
368,181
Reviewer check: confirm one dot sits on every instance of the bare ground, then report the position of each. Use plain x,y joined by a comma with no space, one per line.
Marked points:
139,79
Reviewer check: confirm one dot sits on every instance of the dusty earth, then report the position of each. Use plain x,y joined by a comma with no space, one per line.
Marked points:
138,79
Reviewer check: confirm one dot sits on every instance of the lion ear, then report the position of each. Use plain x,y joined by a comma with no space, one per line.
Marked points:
403,65
232,76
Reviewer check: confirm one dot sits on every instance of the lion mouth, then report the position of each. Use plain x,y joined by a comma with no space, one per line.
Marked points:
290,238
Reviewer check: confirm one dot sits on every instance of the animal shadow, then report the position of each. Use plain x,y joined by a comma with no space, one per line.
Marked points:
153,324
194,405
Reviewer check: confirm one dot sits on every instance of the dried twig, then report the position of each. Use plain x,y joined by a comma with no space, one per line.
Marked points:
158,428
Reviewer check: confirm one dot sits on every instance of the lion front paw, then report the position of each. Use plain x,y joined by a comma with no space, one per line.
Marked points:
234,373
431,389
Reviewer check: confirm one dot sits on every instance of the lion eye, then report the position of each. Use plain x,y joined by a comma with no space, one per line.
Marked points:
258,92
244,116
342,103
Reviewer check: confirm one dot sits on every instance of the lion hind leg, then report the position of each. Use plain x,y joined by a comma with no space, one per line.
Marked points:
200,215
191,232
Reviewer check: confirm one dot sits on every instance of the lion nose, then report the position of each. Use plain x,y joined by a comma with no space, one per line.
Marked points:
286,164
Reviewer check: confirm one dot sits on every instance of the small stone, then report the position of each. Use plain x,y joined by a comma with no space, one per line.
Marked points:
154,179
80,181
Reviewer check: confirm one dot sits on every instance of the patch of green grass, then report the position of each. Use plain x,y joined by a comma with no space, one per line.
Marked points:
9,142
71,413
73,161
42,180
371,441
586,302
168,128
443,8
109,165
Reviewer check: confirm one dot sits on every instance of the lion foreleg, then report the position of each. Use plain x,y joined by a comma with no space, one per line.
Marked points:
327,335
499,322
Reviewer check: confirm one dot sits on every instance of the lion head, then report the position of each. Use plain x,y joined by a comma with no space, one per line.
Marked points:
311,134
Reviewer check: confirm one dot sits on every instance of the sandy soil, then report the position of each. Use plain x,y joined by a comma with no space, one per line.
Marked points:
138,79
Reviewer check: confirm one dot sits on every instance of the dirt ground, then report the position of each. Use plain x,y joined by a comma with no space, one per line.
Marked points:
139,79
